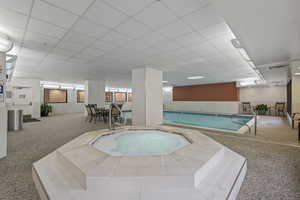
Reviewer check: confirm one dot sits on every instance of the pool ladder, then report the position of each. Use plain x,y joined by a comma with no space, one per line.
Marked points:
112,123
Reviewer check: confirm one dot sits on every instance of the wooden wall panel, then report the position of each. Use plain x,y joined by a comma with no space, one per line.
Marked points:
207,92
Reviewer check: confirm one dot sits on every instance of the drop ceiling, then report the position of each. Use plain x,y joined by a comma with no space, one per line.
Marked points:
75,40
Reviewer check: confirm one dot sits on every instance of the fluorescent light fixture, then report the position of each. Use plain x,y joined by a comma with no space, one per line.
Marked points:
246,83
195,77
167,89
164,81
252,65
245,55
236,43
79,88
51,86
67,87
5,43
297,73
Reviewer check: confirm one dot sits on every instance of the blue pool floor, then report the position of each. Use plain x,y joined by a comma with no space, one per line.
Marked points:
218,121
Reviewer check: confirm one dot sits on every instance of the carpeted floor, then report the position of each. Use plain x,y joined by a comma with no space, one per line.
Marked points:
273,170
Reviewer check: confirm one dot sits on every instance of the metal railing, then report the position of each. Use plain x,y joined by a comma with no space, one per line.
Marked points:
111,121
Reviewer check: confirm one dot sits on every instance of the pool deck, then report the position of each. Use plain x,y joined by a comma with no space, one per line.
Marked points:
203,169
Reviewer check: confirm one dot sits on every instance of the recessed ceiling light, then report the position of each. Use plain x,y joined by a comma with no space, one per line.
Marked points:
195,77
164,81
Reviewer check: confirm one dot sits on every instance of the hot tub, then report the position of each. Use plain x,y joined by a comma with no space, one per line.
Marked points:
140,142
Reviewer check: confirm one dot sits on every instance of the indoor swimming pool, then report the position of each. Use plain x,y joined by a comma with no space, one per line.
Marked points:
216,121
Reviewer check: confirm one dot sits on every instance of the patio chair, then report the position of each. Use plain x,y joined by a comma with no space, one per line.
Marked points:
246,107
279,108
89,116
95,112
116,112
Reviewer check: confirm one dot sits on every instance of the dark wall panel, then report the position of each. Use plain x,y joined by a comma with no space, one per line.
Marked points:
207,92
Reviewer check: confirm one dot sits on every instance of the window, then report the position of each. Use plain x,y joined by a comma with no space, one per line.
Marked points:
108,96
129,97
55,96
80,96
120,96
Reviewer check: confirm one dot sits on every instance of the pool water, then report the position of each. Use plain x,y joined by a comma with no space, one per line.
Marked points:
218,121
140,142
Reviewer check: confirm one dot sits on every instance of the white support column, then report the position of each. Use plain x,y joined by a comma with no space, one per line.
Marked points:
95,92
3,110
147,99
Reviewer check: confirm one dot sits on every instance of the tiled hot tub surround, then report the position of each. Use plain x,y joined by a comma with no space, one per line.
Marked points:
183,171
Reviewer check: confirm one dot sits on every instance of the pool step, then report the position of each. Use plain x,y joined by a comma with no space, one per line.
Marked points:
223,179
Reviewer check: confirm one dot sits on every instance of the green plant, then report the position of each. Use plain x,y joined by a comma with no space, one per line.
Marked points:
261,108
45,110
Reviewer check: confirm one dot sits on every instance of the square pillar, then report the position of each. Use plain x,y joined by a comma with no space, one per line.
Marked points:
95,92
147,99
3,110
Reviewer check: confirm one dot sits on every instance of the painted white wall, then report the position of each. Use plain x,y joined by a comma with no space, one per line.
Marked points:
147,99
95,92
295,94
256,95
34,94
229,107
3,112
66,108
263,95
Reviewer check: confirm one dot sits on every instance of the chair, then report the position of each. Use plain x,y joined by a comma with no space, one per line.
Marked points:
94,112
116,112
246,107
89,113
279,108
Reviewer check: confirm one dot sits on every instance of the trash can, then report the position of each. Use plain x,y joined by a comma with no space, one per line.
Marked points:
15,120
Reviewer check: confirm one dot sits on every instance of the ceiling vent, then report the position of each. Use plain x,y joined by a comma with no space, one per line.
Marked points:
278,67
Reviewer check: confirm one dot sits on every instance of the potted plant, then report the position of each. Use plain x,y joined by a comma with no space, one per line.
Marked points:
45,110
261,109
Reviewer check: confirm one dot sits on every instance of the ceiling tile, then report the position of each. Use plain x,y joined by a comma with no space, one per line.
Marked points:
103,14
203,18
133,28
89,28
45,40
13,19
70,46
22,6
93,52
116,39
153,38
104,46
16,34
175,30
45,28
77,37
75,6
190,39
182,8
129,8
52,14
62,52
156,15
216,30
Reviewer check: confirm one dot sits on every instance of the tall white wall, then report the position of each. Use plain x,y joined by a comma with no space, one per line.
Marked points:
34,86
295,94
95,92
230,107
256,95
263,95
3,112
66,108
147,99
